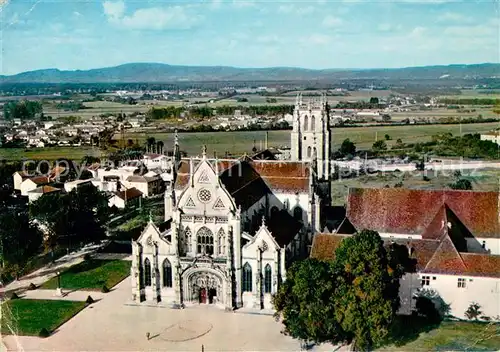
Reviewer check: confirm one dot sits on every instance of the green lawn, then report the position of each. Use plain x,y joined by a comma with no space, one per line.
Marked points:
453,336
92,275
29,316
49,153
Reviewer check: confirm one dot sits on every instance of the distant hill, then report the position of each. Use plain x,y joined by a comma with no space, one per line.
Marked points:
154,72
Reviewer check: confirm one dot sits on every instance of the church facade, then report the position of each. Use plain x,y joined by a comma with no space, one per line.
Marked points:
233,226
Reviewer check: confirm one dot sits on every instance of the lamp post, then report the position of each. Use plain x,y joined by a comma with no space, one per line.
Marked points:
59,289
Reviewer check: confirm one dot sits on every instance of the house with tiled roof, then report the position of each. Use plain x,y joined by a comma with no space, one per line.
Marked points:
40,191
235,224
453,236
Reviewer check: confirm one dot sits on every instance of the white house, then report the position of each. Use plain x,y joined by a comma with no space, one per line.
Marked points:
18,178
149,184
125,198
156,161
71,185
493,136
32,183
40,191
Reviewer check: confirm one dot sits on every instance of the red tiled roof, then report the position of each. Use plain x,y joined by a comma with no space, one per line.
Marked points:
40,180
432,256
45,189
481,264
446,259
324,246
405,211
129,193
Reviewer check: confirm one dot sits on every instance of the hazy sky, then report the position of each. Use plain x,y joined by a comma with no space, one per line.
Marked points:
80,34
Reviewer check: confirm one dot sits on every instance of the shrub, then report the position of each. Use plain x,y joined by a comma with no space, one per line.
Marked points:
89,300
474,311
44,333
14,296
104,289
426,308
425,178
32,287
86,257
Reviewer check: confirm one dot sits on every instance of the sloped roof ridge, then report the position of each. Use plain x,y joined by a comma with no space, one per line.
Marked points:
445,238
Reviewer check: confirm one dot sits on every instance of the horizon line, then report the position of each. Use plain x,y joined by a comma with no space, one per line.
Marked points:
250,67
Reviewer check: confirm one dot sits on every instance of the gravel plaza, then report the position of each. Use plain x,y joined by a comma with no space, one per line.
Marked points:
112,325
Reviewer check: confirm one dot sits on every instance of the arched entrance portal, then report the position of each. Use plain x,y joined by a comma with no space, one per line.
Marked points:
205,287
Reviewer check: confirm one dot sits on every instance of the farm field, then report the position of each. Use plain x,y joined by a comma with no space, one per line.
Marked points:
237,142
241,142
482,180
74,153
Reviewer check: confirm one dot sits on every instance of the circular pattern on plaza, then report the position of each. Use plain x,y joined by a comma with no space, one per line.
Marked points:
186,330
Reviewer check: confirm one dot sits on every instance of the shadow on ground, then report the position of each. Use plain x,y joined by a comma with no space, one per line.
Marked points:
407,328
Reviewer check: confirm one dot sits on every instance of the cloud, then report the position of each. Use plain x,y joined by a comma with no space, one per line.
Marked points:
418,32
387,27
114,9
291,8
76,14
470,31
316,38
240,4
332,21
152,18
454,17
267,39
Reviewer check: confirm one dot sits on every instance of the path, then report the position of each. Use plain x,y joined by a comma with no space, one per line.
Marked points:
49,271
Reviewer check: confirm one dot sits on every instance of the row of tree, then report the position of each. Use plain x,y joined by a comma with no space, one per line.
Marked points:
469,101
24,110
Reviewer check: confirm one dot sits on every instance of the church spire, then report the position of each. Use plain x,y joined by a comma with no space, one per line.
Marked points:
204,151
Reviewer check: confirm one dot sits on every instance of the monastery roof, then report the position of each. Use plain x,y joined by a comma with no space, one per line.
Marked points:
283,227
432,256
422,212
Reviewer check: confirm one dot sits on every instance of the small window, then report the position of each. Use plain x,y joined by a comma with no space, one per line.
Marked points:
484,245
461,283
305,138
433,278
426,280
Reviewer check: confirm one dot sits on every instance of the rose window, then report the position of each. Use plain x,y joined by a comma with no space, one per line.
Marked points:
204,195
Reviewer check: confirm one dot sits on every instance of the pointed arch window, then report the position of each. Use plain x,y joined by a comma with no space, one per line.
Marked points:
309,151
297,213
306,123
267,279
188,240
221,241
313,123
147,272
247,278
167,273
205,241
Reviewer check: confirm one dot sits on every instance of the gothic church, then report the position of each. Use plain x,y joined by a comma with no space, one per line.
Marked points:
233,226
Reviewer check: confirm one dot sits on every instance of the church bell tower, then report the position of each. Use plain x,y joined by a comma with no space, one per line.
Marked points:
311,134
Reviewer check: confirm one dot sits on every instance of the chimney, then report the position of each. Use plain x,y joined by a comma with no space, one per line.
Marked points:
266,146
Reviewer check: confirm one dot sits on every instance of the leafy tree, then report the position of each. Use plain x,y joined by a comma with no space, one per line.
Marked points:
75,217
420,165
151,144
374,100
462,184
306,303
379,146
387,137
366,299
474,311
347,147
20,240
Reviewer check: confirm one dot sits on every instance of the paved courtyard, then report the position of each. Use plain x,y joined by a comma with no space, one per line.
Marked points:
111,325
